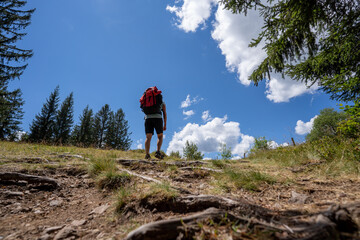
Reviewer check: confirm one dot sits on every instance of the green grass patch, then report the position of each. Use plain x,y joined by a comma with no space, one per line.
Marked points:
248,180
112,180
98,165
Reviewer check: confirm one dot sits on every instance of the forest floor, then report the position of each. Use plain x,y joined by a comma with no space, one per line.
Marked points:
171,199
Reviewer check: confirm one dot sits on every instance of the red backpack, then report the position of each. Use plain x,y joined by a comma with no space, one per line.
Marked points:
151,100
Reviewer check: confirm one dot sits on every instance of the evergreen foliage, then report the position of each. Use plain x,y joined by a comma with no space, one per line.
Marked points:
117,135
175,154
314,41
325,125
102,118
10,113
191,151
83,134
13,20
42,127
64,120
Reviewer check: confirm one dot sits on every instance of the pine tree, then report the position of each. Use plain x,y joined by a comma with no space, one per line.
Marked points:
315,41
42,127
12,21
64,120
10,113
101,124
83,134
117,135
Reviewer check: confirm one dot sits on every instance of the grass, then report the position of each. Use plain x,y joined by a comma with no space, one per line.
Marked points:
334,157
112,180
245,179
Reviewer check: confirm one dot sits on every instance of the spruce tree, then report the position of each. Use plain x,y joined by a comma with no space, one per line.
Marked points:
101,124
12,21
10,113
117,135
314,41
42,127
64,120
83,134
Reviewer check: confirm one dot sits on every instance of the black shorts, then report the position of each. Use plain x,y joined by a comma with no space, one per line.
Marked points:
151,123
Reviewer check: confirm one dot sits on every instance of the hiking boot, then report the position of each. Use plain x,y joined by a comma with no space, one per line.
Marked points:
147,156
159,155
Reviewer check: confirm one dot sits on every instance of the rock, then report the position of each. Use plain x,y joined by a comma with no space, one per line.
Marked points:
78,223
100,210
53,229
38,211
13,194
299,198
45,237
66,232
55,203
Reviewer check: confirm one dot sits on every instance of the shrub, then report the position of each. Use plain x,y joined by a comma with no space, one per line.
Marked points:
191,152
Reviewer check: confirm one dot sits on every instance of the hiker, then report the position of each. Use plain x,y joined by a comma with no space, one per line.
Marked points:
153,106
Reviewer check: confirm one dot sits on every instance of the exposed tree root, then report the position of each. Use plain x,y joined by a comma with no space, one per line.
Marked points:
336,223
129,162
201,168
13,176
181,190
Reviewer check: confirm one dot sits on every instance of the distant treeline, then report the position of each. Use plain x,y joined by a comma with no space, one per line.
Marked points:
54,125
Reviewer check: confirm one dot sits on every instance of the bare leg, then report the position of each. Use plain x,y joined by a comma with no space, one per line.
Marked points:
159,141
147,143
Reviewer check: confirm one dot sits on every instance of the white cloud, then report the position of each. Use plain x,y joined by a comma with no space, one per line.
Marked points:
282,90
234,32
209,136
206,116
192,14
188,113
188,101
139,144
304,127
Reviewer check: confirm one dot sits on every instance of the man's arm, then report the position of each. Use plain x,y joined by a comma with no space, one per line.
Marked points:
165,115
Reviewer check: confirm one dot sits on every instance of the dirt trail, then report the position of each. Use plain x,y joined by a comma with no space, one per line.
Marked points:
79,210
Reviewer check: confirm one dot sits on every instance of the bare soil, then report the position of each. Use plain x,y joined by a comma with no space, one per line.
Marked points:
80,210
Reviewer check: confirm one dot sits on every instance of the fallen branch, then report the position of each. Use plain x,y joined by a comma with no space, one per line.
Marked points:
129,162
29,178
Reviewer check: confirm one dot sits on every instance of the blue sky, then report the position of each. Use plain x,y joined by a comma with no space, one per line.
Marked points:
109,51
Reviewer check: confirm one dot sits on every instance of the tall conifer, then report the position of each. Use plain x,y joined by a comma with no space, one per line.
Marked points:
12,21
42,127
64,120
83,134
117,135
101,124
10,114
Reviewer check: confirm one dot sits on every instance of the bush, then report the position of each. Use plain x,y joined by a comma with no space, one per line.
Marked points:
191,152
225,153
350,127
175,154
260,144
325,125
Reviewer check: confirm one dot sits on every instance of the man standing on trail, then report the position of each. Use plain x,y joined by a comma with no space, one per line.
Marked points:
153,106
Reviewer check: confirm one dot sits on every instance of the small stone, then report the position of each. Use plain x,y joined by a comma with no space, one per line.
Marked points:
78,223
299,198
53,229
45,237
55,203
38,211
100,210
66,232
